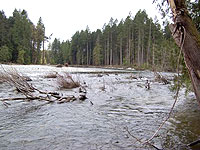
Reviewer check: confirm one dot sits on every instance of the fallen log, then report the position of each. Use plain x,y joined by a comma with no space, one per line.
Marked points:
194,143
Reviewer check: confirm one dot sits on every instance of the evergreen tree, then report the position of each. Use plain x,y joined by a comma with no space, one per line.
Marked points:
136,41
21,34
4,29
56,52
5,55
40,36
97,57
20,58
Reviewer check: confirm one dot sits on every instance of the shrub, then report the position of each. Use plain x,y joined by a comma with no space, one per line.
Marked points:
67,82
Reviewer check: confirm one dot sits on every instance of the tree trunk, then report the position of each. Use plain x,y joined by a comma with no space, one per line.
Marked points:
43,53
87,53
133,49
121,57
142,55
138,48
187,38
82,59
105,54
149,45
111,50
108,50
153,56
90,53
129,49
163,59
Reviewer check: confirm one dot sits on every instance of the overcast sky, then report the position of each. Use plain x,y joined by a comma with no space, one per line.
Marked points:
64,17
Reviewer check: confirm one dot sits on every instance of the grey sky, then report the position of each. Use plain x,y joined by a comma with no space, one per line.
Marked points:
64,17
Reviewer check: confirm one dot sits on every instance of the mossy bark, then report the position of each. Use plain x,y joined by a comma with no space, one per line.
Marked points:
190,45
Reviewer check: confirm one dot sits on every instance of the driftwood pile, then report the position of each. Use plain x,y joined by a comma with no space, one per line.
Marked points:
160,78
29,92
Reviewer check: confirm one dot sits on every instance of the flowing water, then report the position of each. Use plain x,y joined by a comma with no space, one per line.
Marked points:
116,102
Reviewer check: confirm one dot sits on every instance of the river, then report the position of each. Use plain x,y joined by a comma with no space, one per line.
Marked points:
116,101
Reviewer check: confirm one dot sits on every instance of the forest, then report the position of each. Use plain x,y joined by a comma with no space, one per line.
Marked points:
137,41
147,106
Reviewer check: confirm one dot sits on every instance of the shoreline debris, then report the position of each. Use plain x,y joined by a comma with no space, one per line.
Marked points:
13,78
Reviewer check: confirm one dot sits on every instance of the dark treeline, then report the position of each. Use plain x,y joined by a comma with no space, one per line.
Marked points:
136,41
20,39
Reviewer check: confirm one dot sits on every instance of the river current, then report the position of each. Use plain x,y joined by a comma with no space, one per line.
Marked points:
116,102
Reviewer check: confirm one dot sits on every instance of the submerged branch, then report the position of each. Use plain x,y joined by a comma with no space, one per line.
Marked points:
138,140
13,78
194,143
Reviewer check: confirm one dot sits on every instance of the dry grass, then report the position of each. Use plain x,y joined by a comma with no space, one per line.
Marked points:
67,82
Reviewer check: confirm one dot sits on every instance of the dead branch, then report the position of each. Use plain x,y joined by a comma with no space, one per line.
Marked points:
59,65
13,99
169,115
138,140
160,78
194,143
172,108
13,78
67,82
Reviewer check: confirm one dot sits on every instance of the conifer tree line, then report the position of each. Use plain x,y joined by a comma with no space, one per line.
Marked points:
20,40
136,41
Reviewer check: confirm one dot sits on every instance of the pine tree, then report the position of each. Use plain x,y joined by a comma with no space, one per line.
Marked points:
40,35
97,57
5,55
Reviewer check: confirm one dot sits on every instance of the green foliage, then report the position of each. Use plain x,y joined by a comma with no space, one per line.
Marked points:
125,62
184,79
5,55
20,58
97,55
39,37
4,29
27,58
18,31
194,10
138,41
56,52
193,7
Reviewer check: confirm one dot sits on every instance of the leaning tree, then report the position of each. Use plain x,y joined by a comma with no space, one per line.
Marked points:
187,37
